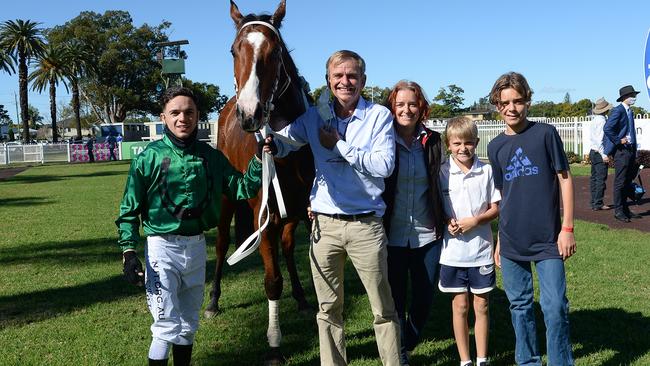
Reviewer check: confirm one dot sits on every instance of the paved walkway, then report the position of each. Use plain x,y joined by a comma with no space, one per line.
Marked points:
583,208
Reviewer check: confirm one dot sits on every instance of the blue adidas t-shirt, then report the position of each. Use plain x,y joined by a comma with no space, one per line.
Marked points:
525,169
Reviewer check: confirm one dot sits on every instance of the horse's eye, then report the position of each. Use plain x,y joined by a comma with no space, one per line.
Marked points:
232,51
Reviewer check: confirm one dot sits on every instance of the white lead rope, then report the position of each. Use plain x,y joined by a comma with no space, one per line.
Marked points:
269,177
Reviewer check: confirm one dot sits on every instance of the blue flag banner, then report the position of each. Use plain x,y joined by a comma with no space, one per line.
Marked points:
647,63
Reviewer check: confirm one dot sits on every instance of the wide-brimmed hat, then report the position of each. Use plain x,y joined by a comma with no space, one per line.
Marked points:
626,91
602,106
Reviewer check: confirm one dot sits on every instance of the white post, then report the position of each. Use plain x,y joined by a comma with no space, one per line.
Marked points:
67,144
575,138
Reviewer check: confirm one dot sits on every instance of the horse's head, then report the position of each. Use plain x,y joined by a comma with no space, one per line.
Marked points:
257,55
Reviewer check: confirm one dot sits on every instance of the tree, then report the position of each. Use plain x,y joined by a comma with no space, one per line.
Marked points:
77,59
50,71
6,62
452,98
121,74
375,94
4,115
24,41
34,117
210,100
315,94
440,111
567,98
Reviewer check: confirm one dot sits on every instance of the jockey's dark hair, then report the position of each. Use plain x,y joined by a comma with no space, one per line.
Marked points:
175,91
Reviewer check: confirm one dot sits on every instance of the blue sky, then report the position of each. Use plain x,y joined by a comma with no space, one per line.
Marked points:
587,48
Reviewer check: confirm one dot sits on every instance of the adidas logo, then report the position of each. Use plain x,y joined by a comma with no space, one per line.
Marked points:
520,166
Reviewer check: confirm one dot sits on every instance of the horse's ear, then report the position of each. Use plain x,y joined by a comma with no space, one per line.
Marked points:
234,13
277,17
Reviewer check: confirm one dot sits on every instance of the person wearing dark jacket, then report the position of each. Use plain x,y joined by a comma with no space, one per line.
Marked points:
414,219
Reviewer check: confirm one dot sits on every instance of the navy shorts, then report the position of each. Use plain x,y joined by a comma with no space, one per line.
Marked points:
478,280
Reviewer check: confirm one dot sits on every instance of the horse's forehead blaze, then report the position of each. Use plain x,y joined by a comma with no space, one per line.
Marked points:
250,43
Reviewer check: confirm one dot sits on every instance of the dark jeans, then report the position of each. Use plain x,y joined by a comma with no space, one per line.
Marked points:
422,265
598,178
624,165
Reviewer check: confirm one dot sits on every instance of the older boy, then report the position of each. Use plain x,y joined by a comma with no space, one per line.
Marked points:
531,171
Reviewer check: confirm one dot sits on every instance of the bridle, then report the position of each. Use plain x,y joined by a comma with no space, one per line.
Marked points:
268,105
269,176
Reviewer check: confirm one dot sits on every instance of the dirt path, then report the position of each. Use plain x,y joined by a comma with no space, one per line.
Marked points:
583,209
10,172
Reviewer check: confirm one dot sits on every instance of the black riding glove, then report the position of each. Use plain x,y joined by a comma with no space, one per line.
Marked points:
133,271
266,142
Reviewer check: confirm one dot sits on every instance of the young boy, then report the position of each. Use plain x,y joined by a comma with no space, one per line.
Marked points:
531,171
466,262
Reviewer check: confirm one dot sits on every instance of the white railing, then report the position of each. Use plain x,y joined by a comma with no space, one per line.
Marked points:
573,131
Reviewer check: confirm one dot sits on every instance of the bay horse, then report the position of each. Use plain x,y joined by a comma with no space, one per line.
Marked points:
268,90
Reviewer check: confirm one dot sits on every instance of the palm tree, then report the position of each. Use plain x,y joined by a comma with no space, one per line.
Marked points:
51,69
6,62
23,40
77,58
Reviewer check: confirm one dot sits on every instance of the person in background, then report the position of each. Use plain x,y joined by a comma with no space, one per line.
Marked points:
112,142
620,142
414,220
90,145
599,160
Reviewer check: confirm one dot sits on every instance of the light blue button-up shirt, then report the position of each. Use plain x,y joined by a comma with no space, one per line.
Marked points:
412,222
350,177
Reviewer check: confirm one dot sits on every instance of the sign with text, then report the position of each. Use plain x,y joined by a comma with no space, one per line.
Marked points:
131,149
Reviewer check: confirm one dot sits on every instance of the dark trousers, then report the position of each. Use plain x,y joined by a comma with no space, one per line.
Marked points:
91,156
624,165
112,153
422,266
598,178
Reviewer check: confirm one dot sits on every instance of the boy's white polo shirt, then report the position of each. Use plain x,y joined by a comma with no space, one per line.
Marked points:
466,195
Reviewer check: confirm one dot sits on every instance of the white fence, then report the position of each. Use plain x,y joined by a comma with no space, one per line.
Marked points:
36,153
574,132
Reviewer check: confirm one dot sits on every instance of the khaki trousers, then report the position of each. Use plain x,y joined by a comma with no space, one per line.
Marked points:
364,241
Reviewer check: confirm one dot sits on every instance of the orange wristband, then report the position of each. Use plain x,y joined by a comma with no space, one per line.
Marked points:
567,229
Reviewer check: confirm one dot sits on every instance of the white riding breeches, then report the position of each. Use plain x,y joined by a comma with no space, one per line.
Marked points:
175,280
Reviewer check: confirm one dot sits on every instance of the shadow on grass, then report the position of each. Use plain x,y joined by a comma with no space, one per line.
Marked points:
19,179
77,251
625,333
25,308
25,201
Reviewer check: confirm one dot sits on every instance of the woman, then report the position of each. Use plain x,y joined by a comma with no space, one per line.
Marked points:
414,218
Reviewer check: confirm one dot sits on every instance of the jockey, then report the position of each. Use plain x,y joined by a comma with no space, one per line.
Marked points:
175,186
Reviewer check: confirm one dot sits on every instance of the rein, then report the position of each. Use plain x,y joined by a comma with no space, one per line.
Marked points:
269,175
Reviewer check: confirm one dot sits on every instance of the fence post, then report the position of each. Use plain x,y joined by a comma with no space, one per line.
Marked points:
68,149
575,140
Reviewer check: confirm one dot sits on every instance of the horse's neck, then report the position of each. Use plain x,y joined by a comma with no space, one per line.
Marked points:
290,105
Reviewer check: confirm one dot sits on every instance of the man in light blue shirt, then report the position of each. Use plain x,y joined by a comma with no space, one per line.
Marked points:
353,143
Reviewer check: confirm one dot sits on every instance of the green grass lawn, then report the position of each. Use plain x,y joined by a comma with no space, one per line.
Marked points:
63,300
